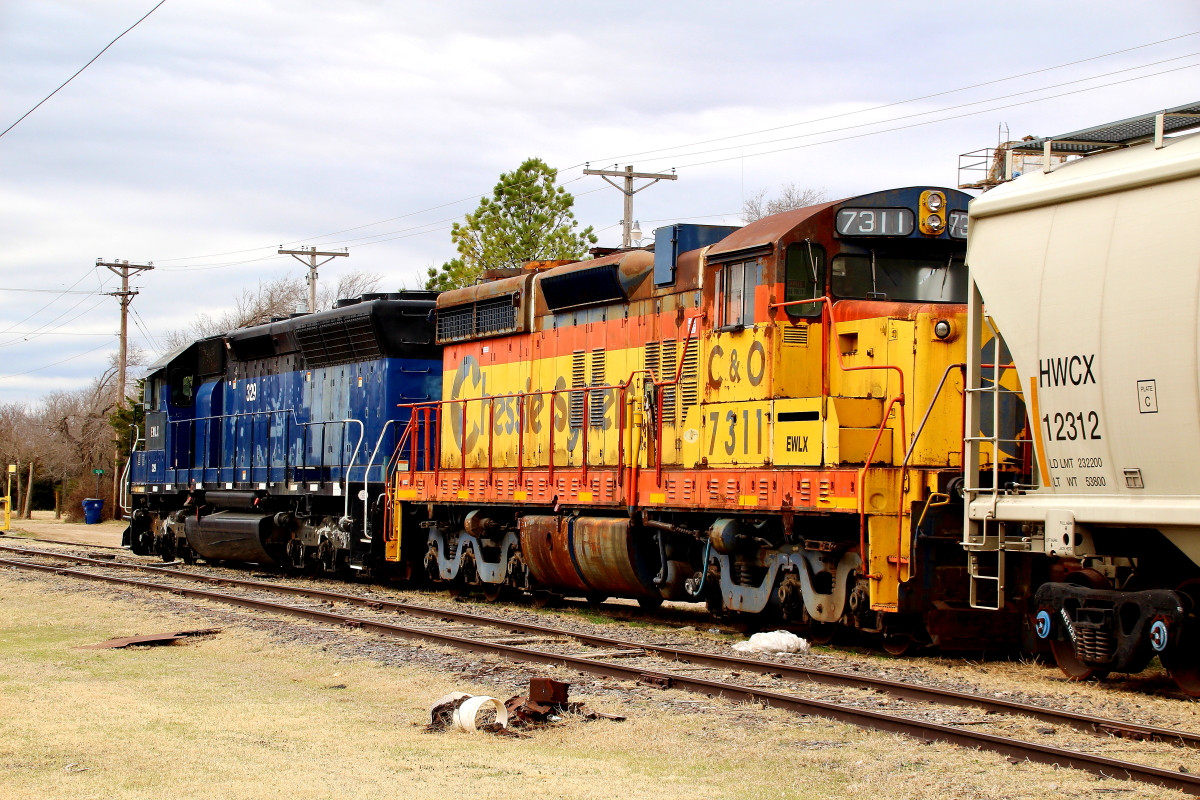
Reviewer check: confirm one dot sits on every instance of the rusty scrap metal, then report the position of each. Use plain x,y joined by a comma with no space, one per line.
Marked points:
148,639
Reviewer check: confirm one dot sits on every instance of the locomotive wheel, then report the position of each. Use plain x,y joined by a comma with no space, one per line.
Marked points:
899,644
824,632
1183,665
543,599
492,592
649,603
1071,666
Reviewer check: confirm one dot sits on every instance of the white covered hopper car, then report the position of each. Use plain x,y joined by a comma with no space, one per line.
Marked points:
1091,271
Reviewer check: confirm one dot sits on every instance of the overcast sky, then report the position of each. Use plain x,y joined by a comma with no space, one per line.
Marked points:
216,131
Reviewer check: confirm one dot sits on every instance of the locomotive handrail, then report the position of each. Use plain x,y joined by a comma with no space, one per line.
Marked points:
366,477
521,397
291,419
362,432
123,497
585,423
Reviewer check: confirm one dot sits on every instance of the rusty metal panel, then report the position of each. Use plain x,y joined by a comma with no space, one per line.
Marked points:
763,232
545,544
605,556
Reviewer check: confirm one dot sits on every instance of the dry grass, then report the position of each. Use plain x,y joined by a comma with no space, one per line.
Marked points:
239,715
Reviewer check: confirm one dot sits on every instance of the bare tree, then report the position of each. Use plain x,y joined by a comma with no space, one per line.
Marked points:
349,284
277,297
790,198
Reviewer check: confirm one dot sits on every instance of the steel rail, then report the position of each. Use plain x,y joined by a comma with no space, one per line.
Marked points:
874,720
799,673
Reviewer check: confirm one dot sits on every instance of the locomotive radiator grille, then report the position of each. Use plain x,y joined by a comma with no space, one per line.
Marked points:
689,390
486,317
339,341
669,367
578,380
596,399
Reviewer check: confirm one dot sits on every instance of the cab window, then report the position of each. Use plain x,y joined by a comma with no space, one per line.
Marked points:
805,278
737,289
181,387
880,277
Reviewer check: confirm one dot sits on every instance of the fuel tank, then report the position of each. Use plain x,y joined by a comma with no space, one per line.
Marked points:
226,499
577,556
238,536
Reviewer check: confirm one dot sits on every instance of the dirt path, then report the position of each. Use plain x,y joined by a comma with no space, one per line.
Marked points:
45,526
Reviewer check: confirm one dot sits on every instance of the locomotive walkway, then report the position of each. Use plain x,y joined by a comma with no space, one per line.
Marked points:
510,639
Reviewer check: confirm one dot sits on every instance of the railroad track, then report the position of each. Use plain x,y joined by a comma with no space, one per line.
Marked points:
517,649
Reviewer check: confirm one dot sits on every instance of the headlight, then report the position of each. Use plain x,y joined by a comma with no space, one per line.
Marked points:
933,222
934,201
941,329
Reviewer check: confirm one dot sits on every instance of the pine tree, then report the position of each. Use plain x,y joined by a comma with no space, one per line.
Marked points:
528,218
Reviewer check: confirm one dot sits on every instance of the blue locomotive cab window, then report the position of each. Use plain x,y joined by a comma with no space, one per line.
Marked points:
805,278
905,280
182,387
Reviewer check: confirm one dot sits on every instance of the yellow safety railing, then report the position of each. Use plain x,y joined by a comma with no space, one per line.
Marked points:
12,469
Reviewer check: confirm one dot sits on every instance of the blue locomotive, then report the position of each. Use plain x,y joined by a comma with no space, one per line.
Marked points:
270,444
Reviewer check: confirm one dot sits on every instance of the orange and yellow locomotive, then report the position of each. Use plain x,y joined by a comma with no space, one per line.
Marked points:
766,418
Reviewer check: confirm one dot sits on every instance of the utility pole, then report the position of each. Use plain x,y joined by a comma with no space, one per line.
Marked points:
629,175
311,253
125,297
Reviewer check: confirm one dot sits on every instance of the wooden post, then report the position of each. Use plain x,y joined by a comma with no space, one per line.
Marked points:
27,509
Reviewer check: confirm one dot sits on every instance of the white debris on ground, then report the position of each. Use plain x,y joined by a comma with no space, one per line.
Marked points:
773,642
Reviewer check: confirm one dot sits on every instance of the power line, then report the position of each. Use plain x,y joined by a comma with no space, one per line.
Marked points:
932,121
533,179
81,69
63,333
939,110
897,103
362,244
40,331
45,291
52,302
56,363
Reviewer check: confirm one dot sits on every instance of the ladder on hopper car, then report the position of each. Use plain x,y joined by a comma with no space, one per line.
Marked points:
985,540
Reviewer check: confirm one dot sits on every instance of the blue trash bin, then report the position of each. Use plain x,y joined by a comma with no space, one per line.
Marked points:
91,510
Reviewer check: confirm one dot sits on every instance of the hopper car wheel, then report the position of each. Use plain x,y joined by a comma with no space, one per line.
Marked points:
649,603
492,592
543,599
1186,676
455,590
596,599
899,644
1071,666
824,632
1183,665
